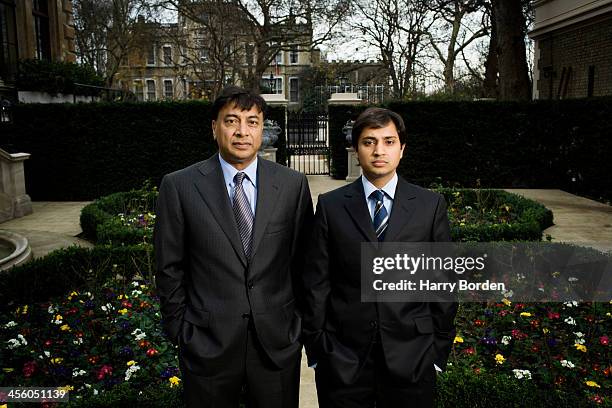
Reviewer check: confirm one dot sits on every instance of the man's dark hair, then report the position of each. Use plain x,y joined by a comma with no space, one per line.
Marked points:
240,97
377,118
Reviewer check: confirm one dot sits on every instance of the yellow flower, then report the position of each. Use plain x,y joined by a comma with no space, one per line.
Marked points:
506,302
499,359
65,327
72,294
458,339
65,388
123,311
122,297
581,347
59,317
8,369
174,381
592,384
4,406
57,360
131,363
545,330
526,314
22,311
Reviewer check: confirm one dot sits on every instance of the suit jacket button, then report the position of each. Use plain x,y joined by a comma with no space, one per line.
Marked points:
373,324
246,315
250,285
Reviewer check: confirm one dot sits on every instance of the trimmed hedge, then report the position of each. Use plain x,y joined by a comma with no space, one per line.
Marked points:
85,151
72,268
542,144
101,225
532,218
455,389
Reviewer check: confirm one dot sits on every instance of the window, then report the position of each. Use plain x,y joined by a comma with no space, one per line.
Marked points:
42,37
293,55
8,40
203,54
138,90
294,90
151,55
248,52
272,86
278,59
150,90
167,50
168,91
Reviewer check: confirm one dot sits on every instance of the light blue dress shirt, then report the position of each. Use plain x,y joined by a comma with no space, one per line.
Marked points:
249,184
388,189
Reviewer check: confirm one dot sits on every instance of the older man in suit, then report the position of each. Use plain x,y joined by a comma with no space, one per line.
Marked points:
227,238
373,354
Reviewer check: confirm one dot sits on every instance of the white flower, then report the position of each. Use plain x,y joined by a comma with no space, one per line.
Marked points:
520,374
507,293
135,293
567,363
52,309
573,303
78,372
77,341
506,340
570,320
579,341
47,354
572,279
13,343
135,284
95,392
107,307
139,334
57,320
579,334
22,339
130,371
10,324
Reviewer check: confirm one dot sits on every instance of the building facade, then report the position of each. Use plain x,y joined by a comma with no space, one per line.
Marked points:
40,29
573,48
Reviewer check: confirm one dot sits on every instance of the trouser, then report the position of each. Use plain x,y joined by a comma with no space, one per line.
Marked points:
374,386
251,378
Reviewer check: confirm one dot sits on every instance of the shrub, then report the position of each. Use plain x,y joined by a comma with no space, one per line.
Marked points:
57,77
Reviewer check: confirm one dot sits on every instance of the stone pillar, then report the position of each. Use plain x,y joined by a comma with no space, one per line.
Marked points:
354,169
14,202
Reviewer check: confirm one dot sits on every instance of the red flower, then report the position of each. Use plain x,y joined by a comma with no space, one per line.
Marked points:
29,368
48,343
504,312
535,324
535,348
151,352
559,380
71,311
126,304
144,343
479,322
470,351
597,399
604,340
553,315
104,371
606,371
93,359
519,335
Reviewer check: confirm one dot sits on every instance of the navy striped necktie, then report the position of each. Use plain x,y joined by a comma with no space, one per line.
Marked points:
380,214
243,214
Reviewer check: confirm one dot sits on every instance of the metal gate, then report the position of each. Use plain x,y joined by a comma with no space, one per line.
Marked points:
308,142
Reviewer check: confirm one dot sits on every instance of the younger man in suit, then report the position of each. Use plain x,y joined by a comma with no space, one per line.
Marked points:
380,355
228,233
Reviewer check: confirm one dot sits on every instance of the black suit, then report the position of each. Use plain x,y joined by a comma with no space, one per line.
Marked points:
397,341
215,302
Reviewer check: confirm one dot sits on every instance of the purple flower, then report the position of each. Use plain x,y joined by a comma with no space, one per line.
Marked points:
89,304
126,352
551,342
125,325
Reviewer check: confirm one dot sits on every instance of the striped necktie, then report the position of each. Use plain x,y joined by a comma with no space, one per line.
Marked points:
243,214
380,214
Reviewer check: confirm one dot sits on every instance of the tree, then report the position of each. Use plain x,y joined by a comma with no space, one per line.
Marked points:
396,28
458,32
106,31
510,24
259,28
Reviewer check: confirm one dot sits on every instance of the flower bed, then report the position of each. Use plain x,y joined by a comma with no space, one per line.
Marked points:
107,346
482,215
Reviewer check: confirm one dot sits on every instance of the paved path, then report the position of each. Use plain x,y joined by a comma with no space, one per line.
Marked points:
579,220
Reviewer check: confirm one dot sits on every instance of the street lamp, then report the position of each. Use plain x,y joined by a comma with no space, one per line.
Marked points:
5,111
271,79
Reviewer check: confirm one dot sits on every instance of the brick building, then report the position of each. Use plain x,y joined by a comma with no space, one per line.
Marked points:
41,29
573,48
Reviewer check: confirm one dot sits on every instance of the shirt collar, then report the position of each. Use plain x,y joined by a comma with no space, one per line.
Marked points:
229,171
388,189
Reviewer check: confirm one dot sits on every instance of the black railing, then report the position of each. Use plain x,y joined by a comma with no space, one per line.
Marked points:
308,142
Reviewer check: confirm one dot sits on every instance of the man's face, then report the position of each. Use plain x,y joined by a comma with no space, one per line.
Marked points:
238,134
379,152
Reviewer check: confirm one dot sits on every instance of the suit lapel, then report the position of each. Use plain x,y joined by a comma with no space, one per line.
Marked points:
268,190
212,189
357,209
403,208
